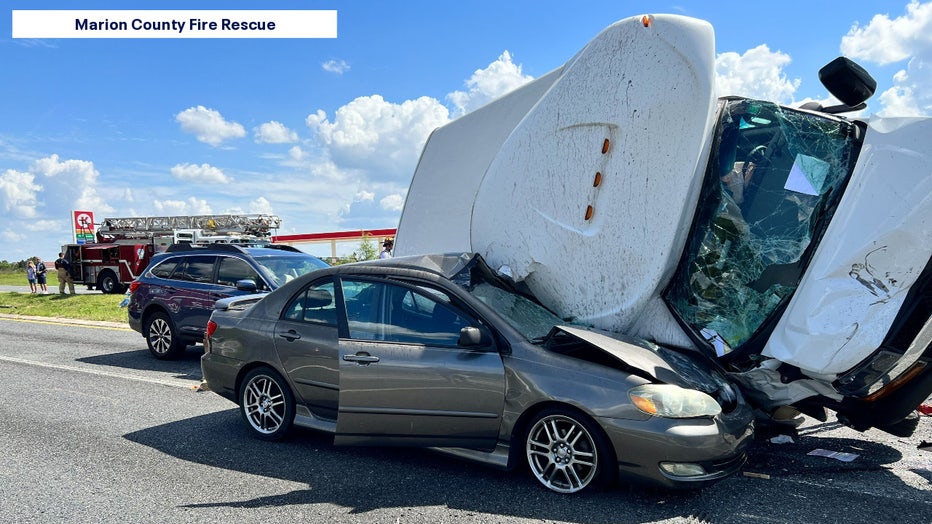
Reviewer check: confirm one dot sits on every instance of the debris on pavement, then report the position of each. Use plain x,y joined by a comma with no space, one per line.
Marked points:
782,439
838,455
753,475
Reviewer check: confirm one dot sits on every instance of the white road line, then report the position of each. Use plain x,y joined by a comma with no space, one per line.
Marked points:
66,322
164,382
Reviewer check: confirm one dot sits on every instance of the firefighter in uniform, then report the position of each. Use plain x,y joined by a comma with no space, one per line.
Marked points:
63,267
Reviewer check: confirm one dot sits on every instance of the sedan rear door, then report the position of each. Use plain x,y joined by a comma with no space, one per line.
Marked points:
403,378
307,345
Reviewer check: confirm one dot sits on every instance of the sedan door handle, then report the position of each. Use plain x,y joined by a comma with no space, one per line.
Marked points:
362,358
290,335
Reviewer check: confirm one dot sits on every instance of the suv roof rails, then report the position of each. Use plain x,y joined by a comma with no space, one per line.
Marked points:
282,247
237,248
187,246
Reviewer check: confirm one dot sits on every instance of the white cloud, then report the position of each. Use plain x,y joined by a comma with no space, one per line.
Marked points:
485,85
899,101
296,153
275,133
261,206
335,66
72,185
204,173
18,193
378,136
393,203
364,196
884,41
191,206
758,73
9,236
208,125
43,225
371,146
39,201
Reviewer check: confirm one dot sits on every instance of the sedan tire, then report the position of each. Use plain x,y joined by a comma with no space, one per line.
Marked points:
567,452
266,403
162,337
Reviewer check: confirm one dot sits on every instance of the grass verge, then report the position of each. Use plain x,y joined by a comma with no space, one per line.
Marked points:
89,306
13,278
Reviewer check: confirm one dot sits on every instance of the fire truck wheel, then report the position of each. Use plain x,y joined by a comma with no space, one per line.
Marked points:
160,335
108,283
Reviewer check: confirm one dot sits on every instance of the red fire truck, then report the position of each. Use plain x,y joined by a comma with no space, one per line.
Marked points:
125,245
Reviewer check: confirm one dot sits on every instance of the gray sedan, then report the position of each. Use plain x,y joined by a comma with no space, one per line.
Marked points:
442,352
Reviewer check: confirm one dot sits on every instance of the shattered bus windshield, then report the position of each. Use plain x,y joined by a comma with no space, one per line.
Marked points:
774,177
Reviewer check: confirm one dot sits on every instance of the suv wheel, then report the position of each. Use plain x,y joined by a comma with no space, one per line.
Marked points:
161,336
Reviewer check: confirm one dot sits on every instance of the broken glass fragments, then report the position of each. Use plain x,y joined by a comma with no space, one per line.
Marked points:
773,181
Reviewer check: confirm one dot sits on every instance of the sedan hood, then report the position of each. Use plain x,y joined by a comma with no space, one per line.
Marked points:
645,359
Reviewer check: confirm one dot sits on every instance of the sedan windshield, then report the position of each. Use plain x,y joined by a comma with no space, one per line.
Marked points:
529,318
774,178
281,269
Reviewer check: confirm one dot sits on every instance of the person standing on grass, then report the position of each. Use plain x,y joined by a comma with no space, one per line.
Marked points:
41,272
31,276
63,267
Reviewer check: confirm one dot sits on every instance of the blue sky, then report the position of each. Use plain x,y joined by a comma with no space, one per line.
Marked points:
325,133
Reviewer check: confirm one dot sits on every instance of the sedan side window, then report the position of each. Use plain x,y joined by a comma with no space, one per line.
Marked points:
314,305
380,311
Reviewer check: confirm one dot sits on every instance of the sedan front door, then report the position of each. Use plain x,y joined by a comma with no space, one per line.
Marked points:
403,378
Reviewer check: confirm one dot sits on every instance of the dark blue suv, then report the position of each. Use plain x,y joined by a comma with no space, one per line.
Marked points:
171,301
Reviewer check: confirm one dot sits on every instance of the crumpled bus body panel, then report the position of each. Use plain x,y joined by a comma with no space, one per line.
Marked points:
582,182
874,250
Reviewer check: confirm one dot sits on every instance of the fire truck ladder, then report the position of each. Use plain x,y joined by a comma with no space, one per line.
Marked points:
258,226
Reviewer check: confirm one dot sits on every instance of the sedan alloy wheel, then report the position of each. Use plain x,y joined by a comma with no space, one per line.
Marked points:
266,403
563,452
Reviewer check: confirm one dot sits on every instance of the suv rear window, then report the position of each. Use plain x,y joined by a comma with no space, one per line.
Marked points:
164,270
196,269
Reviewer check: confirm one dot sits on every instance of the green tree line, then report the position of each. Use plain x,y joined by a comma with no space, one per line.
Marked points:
13,266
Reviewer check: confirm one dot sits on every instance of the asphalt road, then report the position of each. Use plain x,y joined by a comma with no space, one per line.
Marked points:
95,430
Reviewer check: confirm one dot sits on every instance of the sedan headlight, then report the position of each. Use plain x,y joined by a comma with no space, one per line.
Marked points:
667,400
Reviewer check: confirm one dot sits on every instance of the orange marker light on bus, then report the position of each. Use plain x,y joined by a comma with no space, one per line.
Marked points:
605,145
647,20
589,212
598,179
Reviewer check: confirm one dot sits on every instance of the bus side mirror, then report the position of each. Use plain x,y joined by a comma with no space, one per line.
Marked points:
847,81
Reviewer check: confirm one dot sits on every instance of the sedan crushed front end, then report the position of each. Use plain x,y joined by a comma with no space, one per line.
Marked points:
441,352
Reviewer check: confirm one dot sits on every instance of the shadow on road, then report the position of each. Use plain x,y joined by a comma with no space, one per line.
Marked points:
185,367
366,479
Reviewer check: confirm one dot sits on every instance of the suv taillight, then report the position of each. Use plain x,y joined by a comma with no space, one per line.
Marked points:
133,285
211,327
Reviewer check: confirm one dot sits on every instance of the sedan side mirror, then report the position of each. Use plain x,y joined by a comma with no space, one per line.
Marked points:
471,336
